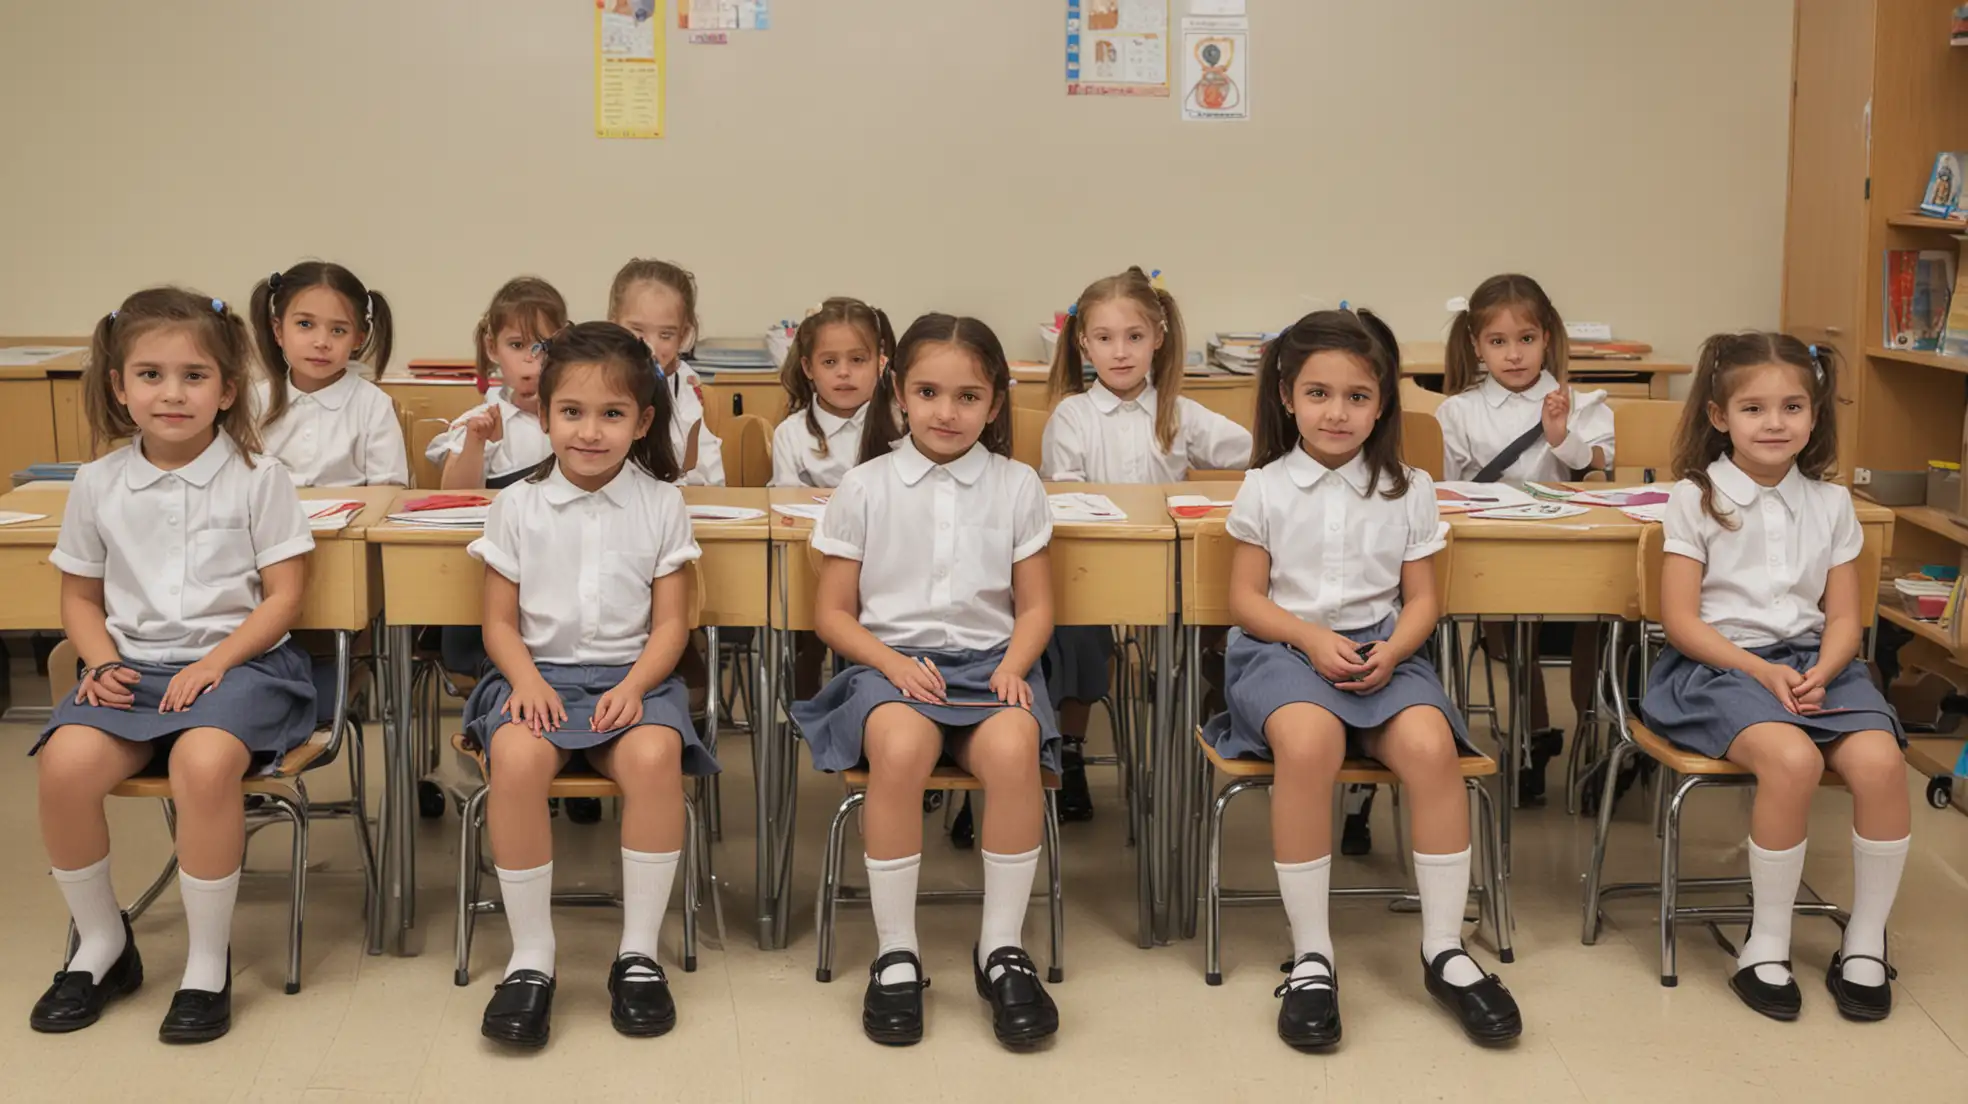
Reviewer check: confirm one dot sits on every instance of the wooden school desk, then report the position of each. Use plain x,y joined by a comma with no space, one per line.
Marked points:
429,398
1103,573
1633,379
429,579
729,395
40,406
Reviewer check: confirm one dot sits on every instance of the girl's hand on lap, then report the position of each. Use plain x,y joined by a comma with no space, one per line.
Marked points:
1785,682
113,688
1332,655
620,707
918,679
1011,688
535,705
188,684
1377,667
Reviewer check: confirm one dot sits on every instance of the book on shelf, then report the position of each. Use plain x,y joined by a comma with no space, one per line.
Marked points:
1917,286
1959,37
1954,337
1238,351
1942,199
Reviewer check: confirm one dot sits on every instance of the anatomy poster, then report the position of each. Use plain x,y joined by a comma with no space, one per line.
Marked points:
1215,69
1117,47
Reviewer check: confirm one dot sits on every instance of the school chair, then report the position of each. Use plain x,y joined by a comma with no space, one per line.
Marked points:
1418,398
698,878
1643,439
1681,774
1028,436
947,777
281,795
417,436
1492,891
751,438
1421,442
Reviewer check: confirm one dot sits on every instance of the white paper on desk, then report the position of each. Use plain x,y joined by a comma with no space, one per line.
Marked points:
811,511
704,511
1179,501
455,517
1536,511
332,523
1082,506
1461,497
11,517
27,356
1651,512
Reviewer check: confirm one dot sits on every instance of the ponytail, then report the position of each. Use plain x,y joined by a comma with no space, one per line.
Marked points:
1068,375
1170,360
1460,367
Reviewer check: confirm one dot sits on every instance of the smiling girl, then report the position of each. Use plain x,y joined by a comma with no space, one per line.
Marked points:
327,424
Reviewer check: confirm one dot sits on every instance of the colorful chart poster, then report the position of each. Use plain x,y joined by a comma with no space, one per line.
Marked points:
1215,69
724,15
629,70
1117,47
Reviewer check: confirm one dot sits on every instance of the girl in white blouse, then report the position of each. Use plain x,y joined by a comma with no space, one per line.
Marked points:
1760,600
500,440
182,572
1333,591
937,587
585,616
1132,425
327,424
836,357
657,301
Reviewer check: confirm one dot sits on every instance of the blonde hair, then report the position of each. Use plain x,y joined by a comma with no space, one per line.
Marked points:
1158,307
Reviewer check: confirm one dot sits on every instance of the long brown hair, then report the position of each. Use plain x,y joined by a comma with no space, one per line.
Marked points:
1718,371
219,334
1165,374
270,299
1357,333
527,303
630,368
886,424
840,310
1462,369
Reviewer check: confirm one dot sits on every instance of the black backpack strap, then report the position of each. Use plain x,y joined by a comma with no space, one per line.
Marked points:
1510,453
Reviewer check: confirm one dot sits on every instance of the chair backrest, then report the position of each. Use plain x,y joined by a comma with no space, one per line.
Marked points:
1028,435
753,436
1421,442
1643,436
693,603
1418,398
1215,548
417,436
1653,544
63,673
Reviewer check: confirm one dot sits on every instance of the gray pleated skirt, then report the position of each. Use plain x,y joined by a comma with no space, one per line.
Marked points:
834,722
580,689
1702,709
1078,662
1261,677
266,702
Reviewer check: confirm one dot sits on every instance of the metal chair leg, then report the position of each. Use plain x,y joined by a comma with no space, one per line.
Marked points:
469,823
165,876
830,875
1595,869
1056,904
693,848
1213,885
1502,920
294,809
1671,876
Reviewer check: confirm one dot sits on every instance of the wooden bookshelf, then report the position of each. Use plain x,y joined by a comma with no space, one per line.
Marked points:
1911,221
1938,522
1892,610
1925,360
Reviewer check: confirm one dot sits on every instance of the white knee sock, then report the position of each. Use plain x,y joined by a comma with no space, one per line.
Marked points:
208,922
646,881
1876,867
528,895
1007,892
98,922
892,898
1773,881
1306,888
1443,883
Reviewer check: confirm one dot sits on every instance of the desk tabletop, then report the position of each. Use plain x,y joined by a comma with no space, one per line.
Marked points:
52,501
1143,503
1427,358
390,532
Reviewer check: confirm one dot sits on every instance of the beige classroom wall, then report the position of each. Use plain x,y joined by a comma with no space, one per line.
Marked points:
922,155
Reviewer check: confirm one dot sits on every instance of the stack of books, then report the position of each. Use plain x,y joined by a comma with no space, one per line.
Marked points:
1238,351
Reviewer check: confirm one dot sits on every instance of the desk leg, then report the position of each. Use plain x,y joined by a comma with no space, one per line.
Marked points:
400,788
785,759
1141,773
383,695
1166,777
765,737
1193,774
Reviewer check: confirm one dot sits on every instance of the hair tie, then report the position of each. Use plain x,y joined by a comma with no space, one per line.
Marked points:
218,306
368,309
1155,280
273,282
112,316
657,367
1456,305
1073,311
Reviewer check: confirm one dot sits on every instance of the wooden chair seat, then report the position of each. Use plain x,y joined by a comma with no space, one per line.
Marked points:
565,785
946,776
1683,762
1351,771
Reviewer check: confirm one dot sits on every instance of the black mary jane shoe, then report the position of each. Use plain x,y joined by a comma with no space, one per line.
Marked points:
1486,1010
77,999
1866,1003
1779,1002
963,830
1356,835
521,1010
640,1006
1309,1017
1075,799
892,1015
1022,1014
198,1015
584,810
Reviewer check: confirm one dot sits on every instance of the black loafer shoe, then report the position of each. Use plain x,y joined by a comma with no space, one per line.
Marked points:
76,999
963,830
1022,1014
197,1015
640,1006
1486,1010
1309,1018
1867,1003
1075,800
584,810
1779,1002
892,1015
521,1010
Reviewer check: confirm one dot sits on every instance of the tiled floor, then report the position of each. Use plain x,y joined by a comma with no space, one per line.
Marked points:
1138,1025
